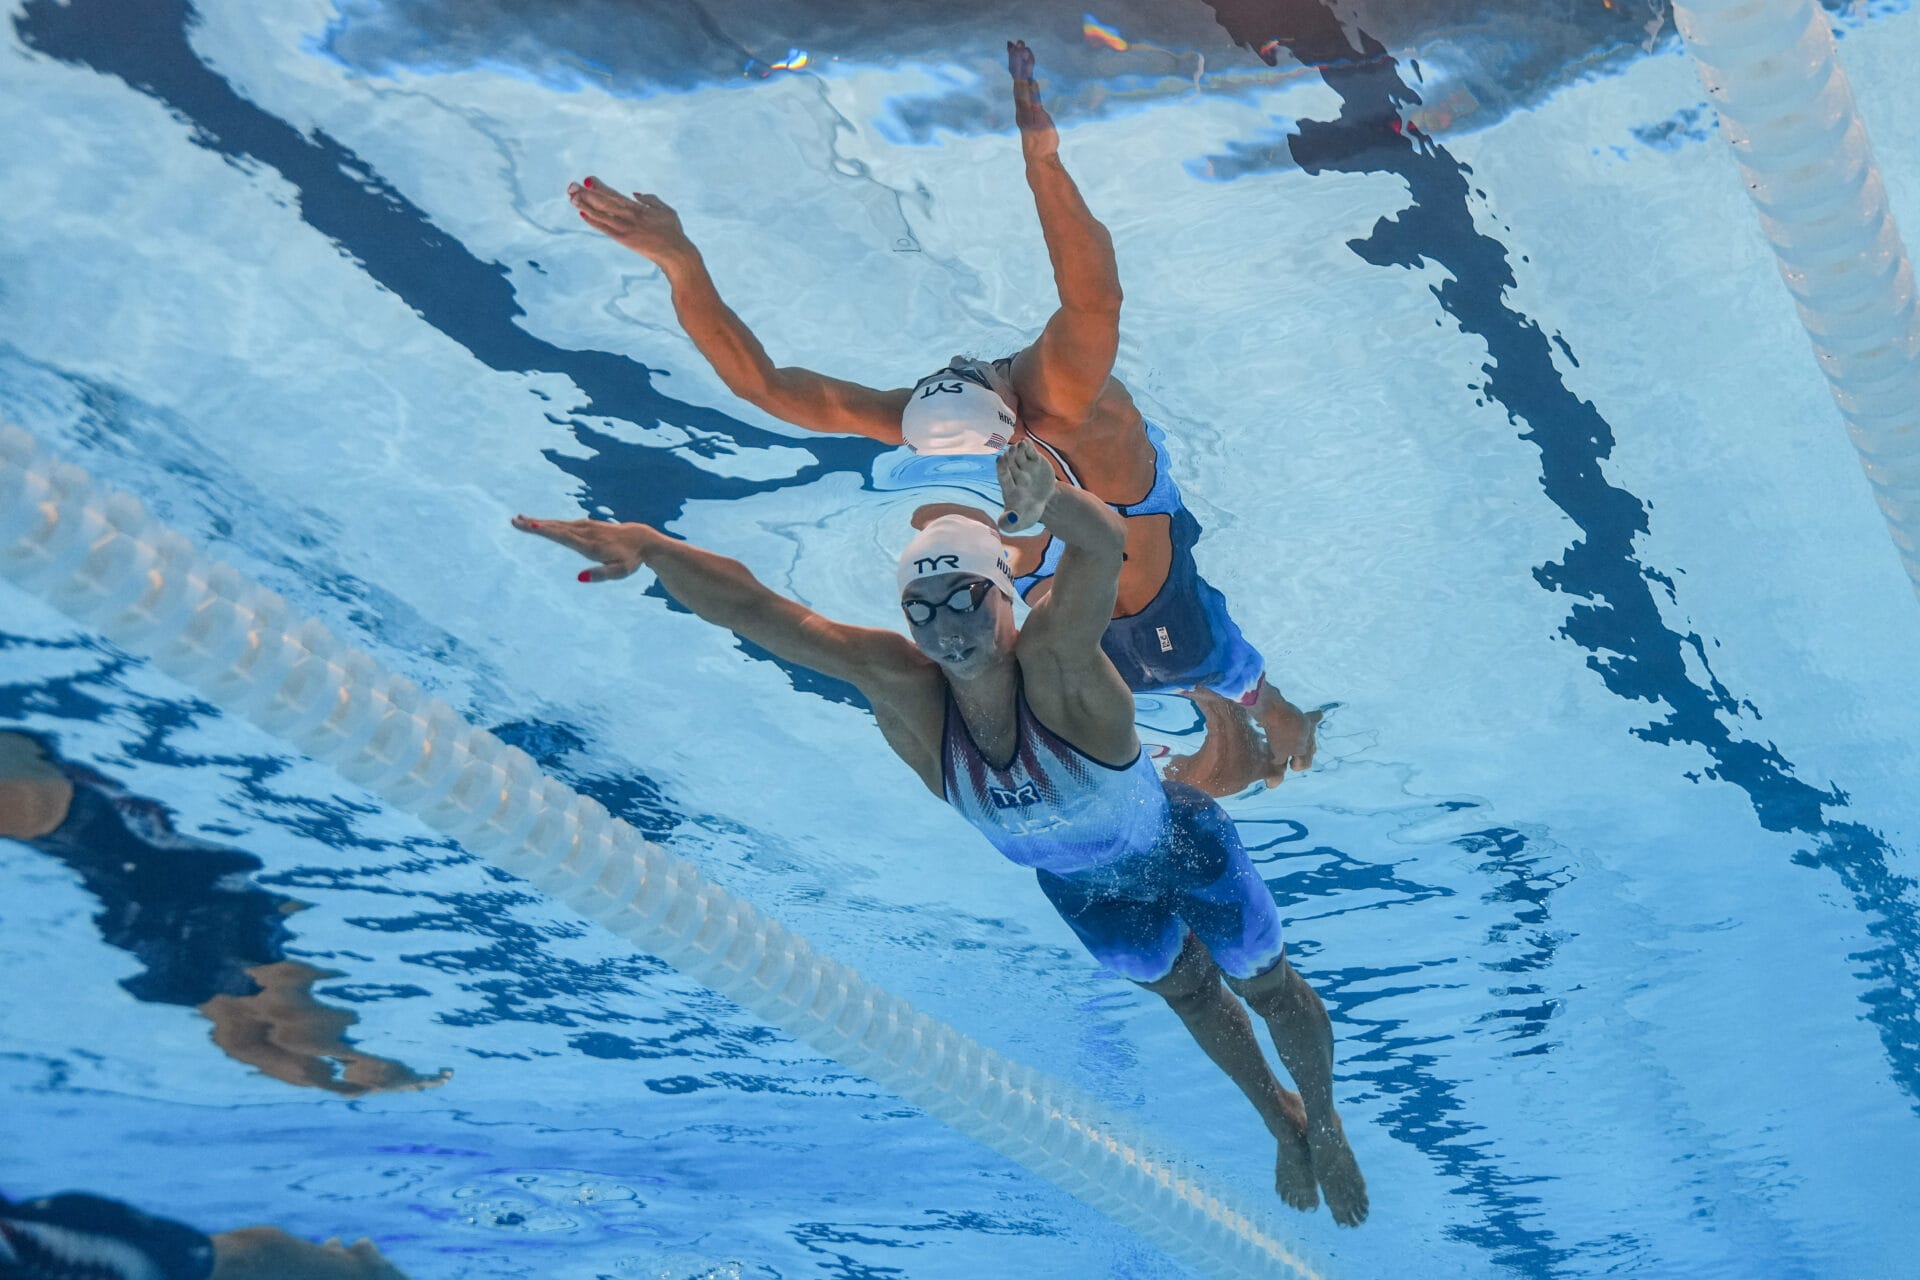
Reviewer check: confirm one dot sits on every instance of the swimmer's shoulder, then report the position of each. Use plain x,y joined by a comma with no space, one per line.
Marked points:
908,694
891,665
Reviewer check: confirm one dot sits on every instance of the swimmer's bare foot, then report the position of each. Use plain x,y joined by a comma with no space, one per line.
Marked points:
1293,1175
1290,732
1230,757
1338,1172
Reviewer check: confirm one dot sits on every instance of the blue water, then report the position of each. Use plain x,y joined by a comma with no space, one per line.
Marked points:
1504,437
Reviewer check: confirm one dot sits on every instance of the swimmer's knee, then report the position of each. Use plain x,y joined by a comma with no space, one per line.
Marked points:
1191,984
1272,987
1183,994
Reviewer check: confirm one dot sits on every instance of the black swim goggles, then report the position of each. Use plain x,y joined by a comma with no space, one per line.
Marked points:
964,599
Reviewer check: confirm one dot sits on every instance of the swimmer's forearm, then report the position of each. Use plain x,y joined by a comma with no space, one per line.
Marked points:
722,591
807,399
720,335
1078,244
1085,523
717,588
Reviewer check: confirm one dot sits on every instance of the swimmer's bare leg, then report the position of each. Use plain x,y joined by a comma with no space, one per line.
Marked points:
1290,732
1219,1024
1230,757
1304,1038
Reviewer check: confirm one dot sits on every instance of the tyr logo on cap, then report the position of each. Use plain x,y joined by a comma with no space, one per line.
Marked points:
939,388
934,564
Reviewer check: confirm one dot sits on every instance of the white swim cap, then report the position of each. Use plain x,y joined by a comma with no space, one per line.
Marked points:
956,544
950,414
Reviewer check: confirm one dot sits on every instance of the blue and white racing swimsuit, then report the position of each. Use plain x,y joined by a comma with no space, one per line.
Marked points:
1133,865
1051,806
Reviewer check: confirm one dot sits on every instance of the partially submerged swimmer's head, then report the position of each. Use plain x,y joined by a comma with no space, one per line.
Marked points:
957,410
956,590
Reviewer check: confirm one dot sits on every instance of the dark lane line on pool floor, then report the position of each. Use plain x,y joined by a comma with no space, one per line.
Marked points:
145,44
1635,653
1380,1050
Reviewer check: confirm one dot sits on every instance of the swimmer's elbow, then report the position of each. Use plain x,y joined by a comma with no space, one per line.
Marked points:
766,390
793,396
1086,524
1099,298
1112,534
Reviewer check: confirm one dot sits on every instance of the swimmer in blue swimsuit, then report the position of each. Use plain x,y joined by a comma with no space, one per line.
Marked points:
1170,629
1028,732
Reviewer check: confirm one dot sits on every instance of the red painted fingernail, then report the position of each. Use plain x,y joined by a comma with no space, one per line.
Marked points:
586,575
582,213
589,182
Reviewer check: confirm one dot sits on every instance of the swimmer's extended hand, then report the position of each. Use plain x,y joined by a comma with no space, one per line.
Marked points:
619,549
1026,483
1038,138
643,223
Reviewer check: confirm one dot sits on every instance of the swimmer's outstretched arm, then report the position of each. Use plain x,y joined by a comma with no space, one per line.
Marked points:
1063,373
649,226
722,591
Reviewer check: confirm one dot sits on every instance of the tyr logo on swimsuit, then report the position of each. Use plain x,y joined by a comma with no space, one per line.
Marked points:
1024,794
934,564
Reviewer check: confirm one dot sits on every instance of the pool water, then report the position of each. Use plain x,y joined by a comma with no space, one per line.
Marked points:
1507,445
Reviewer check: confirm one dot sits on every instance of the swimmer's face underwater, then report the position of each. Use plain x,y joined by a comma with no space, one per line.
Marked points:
960,621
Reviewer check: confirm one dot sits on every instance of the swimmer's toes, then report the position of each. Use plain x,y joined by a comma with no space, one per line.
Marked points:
1340,1177
1303,1198
1346,1191
1293,1177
